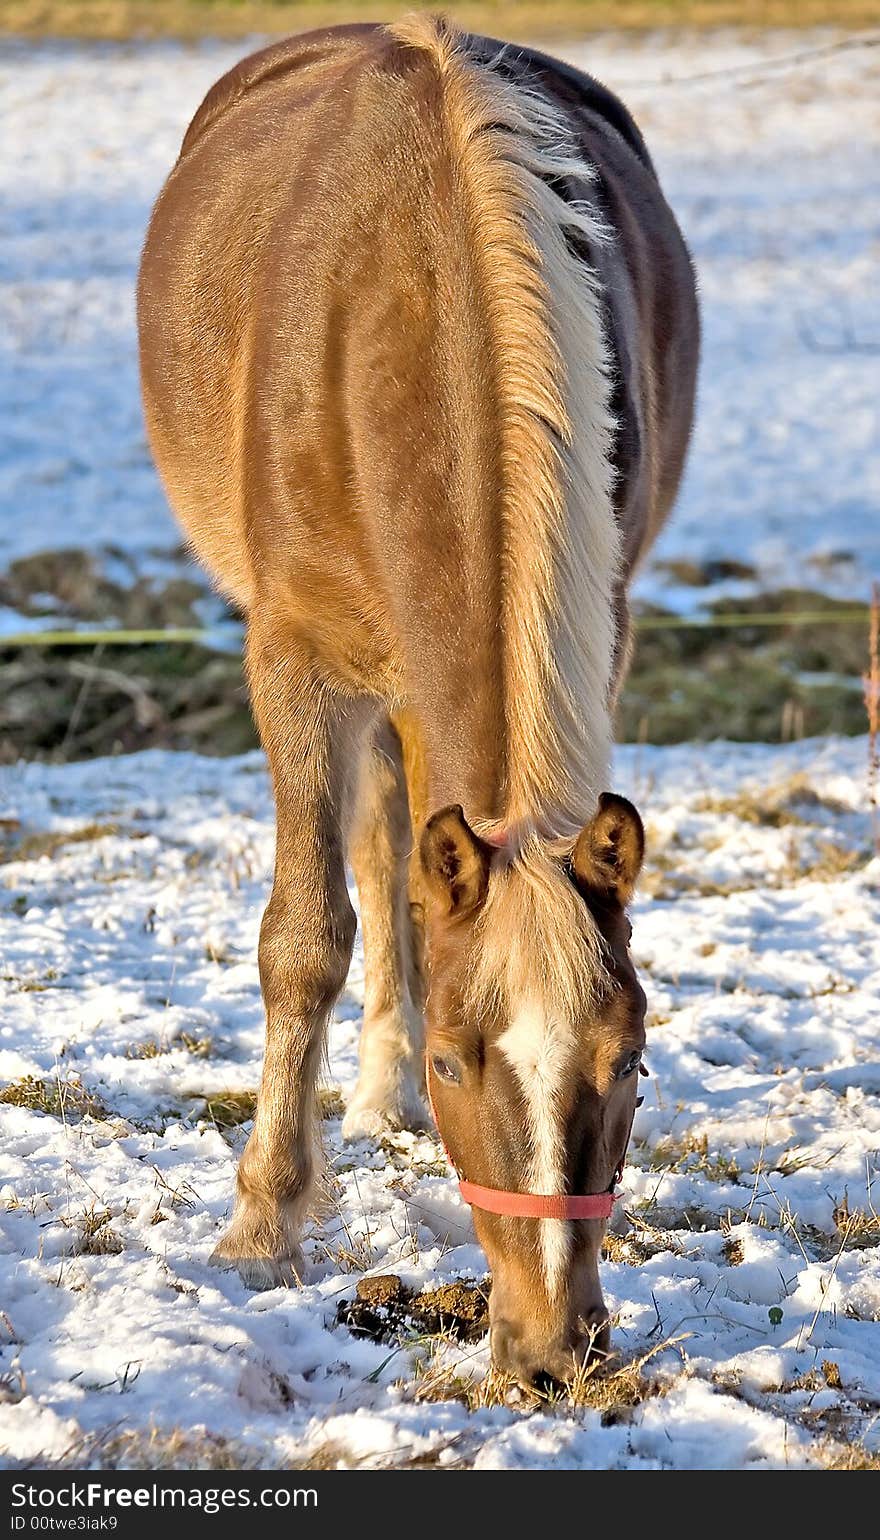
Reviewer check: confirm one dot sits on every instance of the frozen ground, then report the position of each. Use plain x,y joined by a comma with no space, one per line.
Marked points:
772,169
128,926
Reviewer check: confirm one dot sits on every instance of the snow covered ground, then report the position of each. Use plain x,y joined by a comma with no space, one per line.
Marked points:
128,928
771,168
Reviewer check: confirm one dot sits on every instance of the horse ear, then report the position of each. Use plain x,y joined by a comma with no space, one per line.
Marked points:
609,851
455,862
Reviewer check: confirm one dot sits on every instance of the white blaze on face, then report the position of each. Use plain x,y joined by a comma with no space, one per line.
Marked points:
539,1049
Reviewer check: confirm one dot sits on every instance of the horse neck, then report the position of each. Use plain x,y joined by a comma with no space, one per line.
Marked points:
515,691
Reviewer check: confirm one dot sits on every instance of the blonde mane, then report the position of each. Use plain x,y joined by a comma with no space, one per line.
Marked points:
551,365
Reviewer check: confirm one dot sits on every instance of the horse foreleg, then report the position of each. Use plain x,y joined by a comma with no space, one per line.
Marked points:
313,741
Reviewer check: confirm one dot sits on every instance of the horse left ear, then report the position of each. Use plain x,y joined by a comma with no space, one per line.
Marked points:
610,849
455,862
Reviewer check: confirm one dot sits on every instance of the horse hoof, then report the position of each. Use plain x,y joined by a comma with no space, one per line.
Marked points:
267,1262
260,1272
366,1123
374,1120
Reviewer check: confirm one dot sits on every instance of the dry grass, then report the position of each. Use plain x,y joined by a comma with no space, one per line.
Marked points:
45,843
151,1048
155,1448
733,1251
331,1102
229,1109
606,1385
613,1388
642,1241
518,19
834,1456
826,1377
437,1378
330,1456
59,1098
778,806
856,1228
92,1233
31,985
691,1153
827,863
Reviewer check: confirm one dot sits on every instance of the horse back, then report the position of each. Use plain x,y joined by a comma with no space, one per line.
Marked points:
317,365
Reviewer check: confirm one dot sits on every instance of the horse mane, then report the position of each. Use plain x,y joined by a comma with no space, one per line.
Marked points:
560,542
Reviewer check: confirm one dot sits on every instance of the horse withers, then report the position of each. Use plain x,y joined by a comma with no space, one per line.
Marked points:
419,339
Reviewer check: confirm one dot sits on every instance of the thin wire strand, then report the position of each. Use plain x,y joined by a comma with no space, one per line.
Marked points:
195,636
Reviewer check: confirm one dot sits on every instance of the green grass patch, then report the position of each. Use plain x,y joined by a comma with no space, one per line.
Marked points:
752,683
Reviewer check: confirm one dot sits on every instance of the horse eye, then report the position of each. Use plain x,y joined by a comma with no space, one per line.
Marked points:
631,1065
444,1070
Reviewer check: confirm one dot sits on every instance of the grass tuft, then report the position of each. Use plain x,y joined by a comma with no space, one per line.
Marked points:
229,1109
858,1229
691,1153
93,1235
58,1098
154,1448
833,1456
46,843
151,1048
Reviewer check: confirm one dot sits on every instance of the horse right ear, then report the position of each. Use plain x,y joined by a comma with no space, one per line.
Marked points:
455,862
609,852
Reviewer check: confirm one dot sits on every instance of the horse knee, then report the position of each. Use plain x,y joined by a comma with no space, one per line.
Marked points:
304,957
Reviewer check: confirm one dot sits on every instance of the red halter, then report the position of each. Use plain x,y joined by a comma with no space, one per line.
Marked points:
531,1205
539,1205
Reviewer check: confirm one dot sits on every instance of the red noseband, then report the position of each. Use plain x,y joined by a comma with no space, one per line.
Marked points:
537,1205
531,1205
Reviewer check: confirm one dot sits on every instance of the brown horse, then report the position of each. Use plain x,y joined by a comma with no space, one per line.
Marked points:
419,338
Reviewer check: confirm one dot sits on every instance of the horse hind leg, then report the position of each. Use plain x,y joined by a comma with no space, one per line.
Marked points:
390,1088
312,739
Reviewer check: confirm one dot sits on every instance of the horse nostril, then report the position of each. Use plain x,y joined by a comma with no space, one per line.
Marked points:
510,1354
544,1371
549,1368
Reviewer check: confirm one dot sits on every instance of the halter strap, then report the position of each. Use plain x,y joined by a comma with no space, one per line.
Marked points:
531,1205
537,1205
